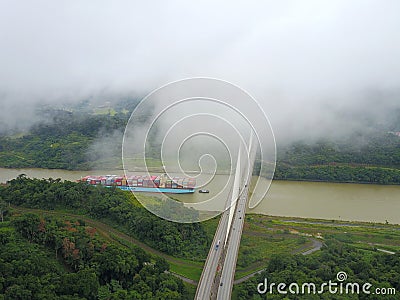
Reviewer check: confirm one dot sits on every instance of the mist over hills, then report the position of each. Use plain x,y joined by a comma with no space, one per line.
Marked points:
89,139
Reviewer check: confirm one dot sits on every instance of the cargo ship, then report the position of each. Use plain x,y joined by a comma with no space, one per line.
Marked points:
150,184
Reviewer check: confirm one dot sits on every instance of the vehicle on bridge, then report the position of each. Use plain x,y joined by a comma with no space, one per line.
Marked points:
217,244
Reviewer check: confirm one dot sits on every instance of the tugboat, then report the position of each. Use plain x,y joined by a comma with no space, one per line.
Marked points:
204,191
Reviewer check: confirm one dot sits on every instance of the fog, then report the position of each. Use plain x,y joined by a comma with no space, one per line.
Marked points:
318,68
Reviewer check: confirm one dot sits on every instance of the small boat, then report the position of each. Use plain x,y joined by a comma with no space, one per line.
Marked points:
204,191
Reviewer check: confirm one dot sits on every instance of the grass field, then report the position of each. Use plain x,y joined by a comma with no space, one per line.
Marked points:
188,269
363,235
104,111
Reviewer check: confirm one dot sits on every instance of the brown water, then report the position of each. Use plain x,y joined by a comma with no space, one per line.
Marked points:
339,201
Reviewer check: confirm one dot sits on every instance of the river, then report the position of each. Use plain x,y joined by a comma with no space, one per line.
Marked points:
339,201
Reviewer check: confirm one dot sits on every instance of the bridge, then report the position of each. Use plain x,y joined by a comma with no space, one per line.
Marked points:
217,278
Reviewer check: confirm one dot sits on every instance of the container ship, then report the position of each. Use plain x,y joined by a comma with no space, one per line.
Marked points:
150,184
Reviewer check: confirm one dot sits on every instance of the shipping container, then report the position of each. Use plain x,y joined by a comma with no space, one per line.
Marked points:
141,181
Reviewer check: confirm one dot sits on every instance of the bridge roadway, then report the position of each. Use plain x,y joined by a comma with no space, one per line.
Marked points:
208,283
207,279
232,248
231,251
217,278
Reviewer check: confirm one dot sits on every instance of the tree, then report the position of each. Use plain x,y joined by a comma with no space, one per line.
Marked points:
83,283
161,264
3,208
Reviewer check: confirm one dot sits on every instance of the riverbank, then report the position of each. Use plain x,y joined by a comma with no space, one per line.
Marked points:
339,173
332,181
5,174
330,201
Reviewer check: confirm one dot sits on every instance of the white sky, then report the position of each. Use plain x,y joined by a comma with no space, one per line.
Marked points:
303,60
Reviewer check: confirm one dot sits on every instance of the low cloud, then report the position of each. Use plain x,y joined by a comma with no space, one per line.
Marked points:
317,68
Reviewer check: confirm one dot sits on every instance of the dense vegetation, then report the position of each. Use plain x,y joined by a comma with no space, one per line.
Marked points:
377,160
380,270
379,149
115,206
50,258
339,174
64,141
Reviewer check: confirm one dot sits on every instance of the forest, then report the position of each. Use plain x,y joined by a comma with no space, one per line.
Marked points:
374,160
54,258
48,257
63,141
112,206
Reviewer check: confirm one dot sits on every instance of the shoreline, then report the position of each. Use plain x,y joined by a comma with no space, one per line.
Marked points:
158,171
284,195
328,222
350,182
